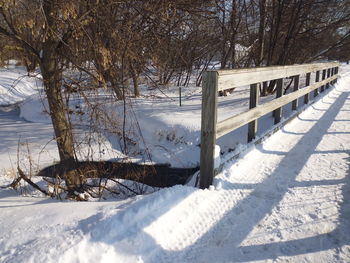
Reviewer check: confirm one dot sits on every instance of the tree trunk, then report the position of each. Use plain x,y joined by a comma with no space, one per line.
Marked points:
223,59
233,33
261,38
275,24
52,78
60,123
291,33
135,81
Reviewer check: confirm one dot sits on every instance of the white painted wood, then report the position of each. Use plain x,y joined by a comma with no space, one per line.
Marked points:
241,77
232,123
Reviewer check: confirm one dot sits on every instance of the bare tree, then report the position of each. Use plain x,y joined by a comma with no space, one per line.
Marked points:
44,30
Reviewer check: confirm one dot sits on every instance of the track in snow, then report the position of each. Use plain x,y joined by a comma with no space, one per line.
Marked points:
286,200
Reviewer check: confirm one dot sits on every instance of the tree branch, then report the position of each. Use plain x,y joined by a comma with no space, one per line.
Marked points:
20,41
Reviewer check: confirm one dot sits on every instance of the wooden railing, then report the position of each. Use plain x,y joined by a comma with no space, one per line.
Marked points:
220,80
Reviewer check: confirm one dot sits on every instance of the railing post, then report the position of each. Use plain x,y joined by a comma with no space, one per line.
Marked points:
295,88
336,72
278,111
180,102
208,129
307,83
328,75
253,102
264,85
323,78
317,79
333,73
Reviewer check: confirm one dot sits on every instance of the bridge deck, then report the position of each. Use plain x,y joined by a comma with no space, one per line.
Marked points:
296,188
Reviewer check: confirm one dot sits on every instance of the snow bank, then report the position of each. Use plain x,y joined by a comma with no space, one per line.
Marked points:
15,85
35,108
158,130
285,200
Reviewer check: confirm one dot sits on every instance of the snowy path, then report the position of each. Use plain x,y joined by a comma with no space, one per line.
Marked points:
298,191
287,200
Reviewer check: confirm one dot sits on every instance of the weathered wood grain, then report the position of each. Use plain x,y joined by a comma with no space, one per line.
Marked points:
279,92
328,75
307,83
232,123
317,79
208,129
253,102
323,78
241,77
336,73
295,88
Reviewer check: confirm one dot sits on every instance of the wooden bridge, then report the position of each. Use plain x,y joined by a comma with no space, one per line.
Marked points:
221,80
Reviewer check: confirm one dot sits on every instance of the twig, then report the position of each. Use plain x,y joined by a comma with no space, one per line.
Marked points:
25,178
14,183
124,186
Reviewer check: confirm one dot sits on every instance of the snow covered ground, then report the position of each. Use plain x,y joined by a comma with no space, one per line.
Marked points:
158,130
15,85
286,200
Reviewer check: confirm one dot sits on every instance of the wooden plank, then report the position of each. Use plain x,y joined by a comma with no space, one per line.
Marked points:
232,123
264,84
279,91
336,73
241,77
295,88
180,102
323,78
253,102
317,79
333,73
328,75
208,129
307,83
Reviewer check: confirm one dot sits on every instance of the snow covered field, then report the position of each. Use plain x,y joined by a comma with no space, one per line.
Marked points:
158,130
286,200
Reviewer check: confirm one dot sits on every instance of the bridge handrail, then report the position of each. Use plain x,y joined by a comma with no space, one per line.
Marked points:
220,80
